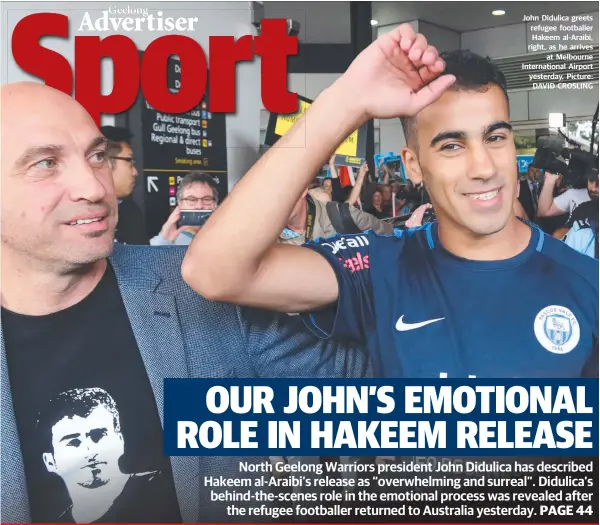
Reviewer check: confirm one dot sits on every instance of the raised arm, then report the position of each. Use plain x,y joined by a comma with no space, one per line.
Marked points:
235,258
546,205
386,174
360,180
332,168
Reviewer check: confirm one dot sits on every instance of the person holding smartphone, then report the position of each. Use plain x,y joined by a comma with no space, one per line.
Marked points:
197,191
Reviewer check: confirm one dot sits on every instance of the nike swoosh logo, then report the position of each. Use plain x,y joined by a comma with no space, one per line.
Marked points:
401,326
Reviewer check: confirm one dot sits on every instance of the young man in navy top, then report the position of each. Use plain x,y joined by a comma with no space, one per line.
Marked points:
477,294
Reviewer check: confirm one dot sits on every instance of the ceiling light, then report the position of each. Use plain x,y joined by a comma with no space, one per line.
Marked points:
498,12
557,120
374,22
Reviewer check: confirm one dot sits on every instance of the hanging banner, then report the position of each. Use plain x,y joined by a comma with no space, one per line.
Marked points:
351,152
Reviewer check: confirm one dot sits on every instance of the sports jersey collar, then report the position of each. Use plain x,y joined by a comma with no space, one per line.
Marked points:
536,243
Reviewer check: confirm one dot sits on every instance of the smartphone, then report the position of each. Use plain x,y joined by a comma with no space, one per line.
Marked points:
193,217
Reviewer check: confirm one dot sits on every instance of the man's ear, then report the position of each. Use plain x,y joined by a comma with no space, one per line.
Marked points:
411,165
48,458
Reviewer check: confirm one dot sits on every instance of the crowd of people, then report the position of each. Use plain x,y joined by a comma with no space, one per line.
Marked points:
330,208
566,211
92,327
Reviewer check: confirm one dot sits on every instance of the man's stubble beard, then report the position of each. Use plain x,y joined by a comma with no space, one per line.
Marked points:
37,260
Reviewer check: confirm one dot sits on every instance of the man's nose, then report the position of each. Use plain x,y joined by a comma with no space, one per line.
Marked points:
88,448
481,163
83,182
134,171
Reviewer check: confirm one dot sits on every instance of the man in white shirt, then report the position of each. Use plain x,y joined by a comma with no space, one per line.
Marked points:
567,201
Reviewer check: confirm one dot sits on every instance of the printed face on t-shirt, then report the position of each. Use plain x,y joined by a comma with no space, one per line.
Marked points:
466,158
86,450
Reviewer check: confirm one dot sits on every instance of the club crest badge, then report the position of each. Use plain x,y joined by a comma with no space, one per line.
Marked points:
557,329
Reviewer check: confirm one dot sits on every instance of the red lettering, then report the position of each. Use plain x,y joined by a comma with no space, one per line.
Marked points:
274,45
40,61
89,52
355,264
193,74
225,52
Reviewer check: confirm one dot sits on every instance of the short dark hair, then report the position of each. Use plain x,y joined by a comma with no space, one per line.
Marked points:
473,73
197,176
77,402
117,134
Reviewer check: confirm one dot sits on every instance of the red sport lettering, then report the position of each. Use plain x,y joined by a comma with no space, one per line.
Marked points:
274,46
89,52
44,63
225,52
193,74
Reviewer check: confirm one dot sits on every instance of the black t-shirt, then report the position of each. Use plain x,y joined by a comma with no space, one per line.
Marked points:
88,424
385,212
131,228
585,212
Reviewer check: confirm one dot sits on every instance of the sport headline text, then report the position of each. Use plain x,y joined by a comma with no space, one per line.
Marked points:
130,73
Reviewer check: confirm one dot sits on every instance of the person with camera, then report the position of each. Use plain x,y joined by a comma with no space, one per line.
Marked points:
432,302
196,191
565,203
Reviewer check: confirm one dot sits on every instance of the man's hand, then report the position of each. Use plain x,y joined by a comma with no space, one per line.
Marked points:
416,219
363,170
360,180
170,231
551,178
396,76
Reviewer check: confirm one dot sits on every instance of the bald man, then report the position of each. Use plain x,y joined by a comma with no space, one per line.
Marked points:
79,313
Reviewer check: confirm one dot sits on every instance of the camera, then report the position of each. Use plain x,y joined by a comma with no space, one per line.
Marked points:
575,165
428,216
413,194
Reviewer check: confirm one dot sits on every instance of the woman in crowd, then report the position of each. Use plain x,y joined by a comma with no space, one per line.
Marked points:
378,209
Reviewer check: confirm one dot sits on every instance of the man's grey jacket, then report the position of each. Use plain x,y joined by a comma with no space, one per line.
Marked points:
182,335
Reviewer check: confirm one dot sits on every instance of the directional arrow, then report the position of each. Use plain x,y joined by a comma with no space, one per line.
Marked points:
151,184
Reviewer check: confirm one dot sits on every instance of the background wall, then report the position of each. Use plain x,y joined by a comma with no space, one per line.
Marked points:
531,105
526,106
215,18
320,22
